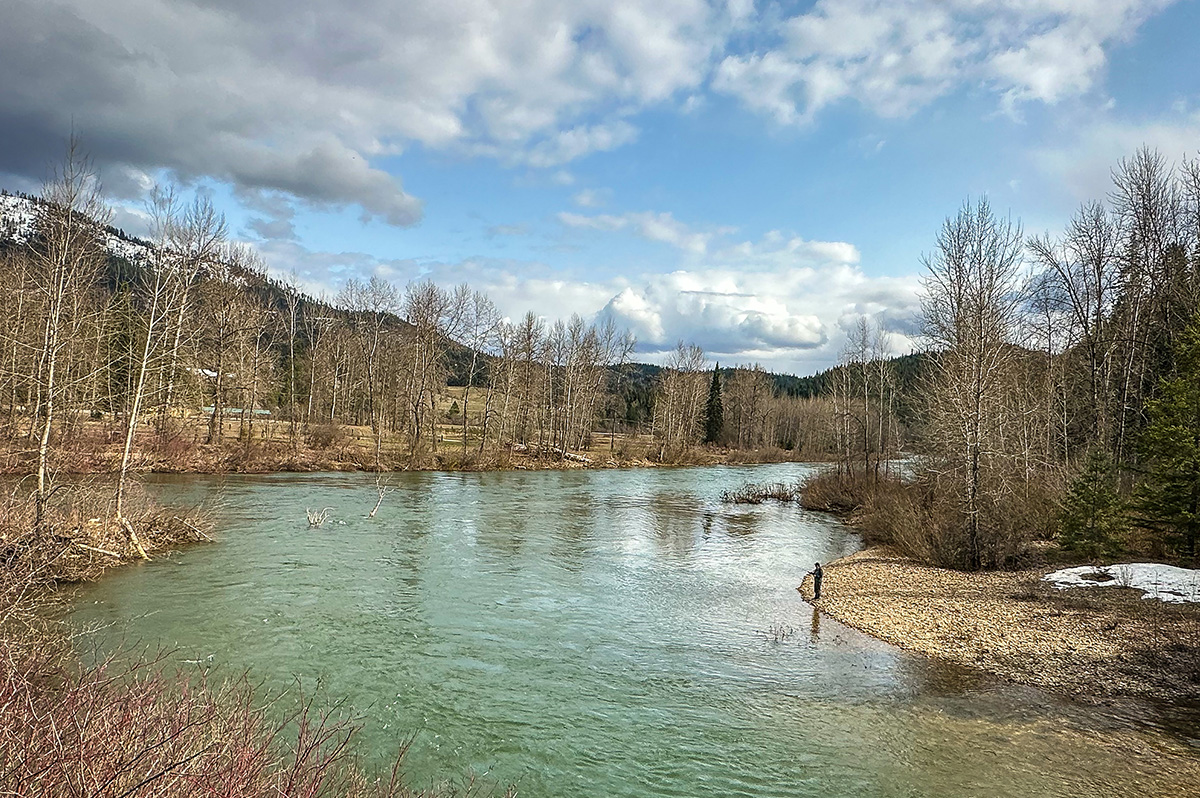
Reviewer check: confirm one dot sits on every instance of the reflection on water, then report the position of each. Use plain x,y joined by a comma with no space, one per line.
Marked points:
598,634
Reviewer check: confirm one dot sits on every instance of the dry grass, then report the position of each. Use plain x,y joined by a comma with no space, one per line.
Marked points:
838,491
94,447
923,518
80,536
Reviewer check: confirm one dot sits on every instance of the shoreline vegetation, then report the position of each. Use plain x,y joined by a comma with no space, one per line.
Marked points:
97,449
132,723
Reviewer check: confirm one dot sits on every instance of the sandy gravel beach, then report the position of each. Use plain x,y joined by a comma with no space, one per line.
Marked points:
1083,642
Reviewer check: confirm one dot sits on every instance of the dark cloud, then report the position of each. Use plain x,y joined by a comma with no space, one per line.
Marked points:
311,98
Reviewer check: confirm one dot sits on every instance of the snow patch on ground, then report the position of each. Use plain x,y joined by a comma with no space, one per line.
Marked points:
1156,581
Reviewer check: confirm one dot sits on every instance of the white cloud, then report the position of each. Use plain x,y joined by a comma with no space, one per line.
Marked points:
660,227
1083,164
783,300
308,97
895,56
591,198
567,145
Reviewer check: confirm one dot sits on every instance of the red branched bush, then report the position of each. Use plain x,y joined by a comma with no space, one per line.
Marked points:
121,730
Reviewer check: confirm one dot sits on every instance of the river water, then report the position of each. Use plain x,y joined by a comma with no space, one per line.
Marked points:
599,633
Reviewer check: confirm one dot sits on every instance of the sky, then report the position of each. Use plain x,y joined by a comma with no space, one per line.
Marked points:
753,177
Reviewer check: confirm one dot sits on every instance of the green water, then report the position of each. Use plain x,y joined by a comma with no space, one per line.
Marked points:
600,633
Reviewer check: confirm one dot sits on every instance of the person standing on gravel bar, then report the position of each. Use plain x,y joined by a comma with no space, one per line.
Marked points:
817,574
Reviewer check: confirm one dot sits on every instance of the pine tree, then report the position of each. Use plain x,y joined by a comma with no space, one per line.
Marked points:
1093,515
1168,498
714,415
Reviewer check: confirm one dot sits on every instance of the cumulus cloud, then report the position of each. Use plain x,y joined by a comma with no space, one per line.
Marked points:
895,57
322,100
782,300
515,286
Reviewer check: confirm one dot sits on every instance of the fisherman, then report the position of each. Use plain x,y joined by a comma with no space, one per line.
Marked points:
816,575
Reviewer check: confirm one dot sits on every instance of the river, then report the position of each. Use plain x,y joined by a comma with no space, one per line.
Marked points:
597,633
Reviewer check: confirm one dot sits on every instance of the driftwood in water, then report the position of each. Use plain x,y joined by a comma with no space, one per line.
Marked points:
317,518
383,489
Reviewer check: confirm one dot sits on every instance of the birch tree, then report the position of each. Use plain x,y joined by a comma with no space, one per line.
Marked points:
971,312
678,411
66,267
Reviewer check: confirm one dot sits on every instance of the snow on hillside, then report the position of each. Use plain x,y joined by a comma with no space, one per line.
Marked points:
18,221
1162,582
18,218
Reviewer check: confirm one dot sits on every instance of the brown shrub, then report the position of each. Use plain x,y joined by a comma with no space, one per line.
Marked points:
80,537
837,491
143,730
327,436
924,520
753,493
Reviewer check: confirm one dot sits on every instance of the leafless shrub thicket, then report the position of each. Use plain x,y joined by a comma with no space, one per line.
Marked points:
145,729
752,493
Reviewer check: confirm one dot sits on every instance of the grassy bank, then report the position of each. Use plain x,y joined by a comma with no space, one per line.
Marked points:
1089,643
95,447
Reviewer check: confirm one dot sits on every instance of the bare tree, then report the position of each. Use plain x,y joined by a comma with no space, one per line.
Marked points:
971,314
160,286
681,393
198,242
479,320
371,306
1081,280
66,266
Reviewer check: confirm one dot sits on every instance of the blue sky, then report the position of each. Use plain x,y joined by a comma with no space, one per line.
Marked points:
751,176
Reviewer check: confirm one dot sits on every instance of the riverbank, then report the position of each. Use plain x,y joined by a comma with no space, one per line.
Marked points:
95,448
1094,644
136,723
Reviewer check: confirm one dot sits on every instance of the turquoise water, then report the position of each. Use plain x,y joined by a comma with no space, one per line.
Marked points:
595,633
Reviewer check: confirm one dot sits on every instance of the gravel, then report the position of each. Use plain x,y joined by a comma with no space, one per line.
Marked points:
1081,642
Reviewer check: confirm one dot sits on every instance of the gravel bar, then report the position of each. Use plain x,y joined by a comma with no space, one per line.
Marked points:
1086,643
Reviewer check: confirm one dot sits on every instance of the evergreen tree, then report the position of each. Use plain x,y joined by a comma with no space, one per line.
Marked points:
1093,515
714,418
1168,498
